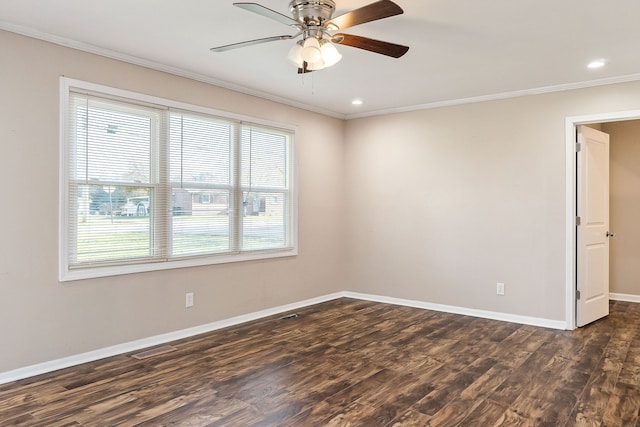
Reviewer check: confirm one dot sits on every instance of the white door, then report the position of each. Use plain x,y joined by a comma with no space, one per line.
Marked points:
592,270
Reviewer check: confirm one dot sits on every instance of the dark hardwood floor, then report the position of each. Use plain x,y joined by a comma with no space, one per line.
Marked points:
355,363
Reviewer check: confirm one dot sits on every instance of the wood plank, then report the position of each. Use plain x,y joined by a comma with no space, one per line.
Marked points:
623,406
351,362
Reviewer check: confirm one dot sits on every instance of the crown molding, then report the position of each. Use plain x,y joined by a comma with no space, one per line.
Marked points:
498,96
134,60
89,48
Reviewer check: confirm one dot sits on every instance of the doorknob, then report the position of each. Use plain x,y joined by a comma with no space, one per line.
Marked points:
610,234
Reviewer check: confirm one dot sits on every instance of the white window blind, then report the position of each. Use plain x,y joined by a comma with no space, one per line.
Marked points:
111,146
264,188
148,185
202,154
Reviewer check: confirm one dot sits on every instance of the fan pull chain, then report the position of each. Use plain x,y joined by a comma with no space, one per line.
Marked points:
313,85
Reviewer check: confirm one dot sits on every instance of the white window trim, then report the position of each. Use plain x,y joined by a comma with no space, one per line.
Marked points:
67,274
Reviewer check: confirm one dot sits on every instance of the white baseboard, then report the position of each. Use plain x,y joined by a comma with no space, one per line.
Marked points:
65,362
493,315
624,297
54,365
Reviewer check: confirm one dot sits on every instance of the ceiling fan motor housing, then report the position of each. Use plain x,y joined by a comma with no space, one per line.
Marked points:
312,12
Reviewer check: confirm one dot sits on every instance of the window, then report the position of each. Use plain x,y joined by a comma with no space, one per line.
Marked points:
151,184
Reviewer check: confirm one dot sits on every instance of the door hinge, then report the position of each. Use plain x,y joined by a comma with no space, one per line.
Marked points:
578,220
577,294
578,147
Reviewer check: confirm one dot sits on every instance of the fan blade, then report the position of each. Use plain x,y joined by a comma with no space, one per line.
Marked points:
377,46
265,11
372,12
249,43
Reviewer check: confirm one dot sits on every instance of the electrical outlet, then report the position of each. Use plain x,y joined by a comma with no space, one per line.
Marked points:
188,300
500,289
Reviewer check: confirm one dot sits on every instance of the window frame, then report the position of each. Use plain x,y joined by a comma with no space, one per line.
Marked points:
67,273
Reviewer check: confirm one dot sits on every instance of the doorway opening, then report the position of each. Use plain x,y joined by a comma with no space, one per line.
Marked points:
571,125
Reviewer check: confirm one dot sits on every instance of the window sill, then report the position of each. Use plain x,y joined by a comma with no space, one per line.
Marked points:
82,273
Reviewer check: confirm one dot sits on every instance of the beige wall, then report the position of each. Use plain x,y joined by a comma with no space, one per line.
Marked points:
42,319
625,206
445,203
440,205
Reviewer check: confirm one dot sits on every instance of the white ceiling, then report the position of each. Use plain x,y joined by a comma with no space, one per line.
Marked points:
460,49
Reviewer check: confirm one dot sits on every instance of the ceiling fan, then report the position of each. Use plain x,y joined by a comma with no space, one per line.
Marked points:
315,50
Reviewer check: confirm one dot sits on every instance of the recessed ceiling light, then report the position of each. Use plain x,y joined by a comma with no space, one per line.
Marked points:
357,102
598,63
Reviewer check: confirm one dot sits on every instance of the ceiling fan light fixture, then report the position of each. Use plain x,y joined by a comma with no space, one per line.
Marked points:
295,54
330,54
311,50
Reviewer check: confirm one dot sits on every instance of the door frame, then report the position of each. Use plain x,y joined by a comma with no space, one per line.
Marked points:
571,124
